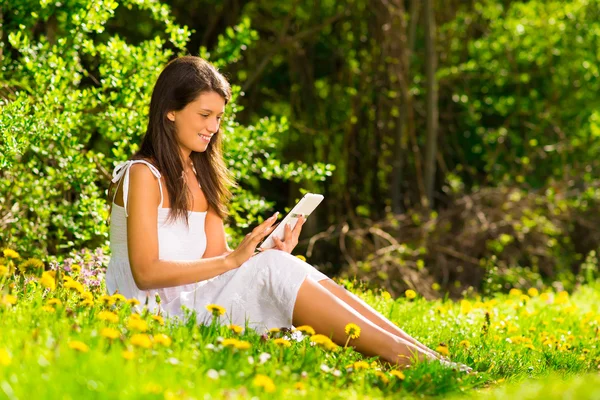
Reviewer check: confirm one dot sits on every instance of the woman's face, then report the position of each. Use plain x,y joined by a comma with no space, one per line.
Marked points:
197,122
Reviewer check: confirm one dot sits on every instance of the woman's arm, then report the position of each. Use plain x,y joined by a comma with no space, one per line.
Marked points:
216,241
142,240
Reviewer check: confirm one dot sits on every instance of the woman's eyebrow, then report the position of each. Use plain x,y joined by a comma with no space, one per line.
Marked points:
210,111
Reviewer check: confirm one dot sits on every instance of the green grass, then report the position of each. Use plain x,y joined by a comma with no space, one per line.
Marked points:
527,347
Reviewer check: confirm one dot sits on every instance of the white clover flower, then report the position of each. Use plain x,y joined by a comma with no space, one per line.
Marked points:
337,372
297,336
325,368
250,360
263,357
212,374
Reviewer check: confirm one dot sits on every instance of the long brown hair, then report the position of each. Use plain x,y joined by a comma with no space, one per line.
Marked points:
180,83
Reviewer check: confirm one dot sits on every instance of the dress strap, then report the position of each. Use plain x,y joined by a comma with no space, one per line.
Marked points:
123,169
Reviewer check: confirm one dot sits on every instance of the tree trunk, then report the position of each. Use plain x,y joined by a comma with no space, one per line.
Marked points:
432,101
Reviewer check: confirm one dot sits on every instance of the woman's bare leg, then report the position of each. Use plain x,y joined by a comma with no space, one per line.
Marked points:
328,315
371,314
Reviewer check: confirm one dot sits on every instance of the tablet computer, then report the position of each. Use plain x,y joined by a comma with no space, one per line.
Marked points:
304,207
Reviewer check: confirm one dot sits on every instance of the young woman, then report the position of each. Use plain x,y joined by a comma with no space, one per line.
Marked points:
167,236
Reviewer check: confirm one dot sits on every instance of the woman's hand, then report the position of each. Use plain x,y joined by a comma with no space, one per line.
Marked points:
246,248
290,237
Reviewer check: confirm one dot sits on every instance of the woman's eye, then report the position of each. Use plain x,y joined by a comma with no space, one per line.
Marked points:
205,116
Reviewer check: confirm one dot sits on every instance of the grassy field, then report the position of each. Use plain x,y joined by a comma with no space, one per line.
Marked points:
61,337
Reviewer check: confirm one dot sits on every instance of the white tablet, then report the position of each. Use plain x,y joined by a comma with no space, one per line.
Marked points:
304,207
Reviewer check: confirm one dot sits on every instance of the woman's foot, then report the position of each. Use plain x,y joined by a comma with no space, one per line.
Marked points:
456,366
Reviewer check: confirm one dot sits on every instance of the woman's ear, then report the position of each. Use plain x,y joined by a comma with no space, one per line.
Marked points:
171,116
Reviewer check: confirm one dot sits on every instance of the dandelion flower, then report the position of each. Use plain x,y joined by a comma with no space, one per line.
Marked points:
117,297
352,330
465,343
31,265
235,328
127,354
9,253
54,302
87,296
133,302
274,330
307,329
360,365
162,339
79,346
215,309
410,294
109,333
533,292
141,340
3,270
382,376
465,306
48,281
86,303
76,268
515,292
242,345
49,309
229,342
158,319
106,300
282,342
108,316
443,349
135,324
397,374
264,382
299,386
72,284
5,358
8,300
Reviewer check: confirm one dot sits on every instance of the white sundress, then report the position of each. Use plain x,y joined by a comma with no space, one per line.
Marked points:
262,290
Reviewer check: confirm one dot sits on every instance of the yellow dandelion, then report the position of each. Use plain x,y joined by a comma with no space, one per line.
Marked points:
529,346
235,328
274,330
54,302
9,253
127,354
74,285
215,309
443,349
106,300
360,365
242,345
5,358
465,343
135,324
76,268
109,333
108,316
465,306
48,281
299,386
264,382
301,257
398,374
515,292
229,342
135,316
382,376
352,330
87,296
159,319
141,340
410,294
117,297
86,303
49,309
79,346
533,292
307,329
162,339
31,265
8,300
3,270
386,295
319,338
282,342
133,302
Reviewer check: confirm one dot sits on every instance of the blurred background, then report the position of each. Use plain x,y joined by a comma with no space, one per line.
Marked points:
455,142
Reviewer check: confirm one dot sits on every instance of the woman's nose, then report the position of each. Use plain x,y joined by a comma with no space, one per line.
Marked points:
213,126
